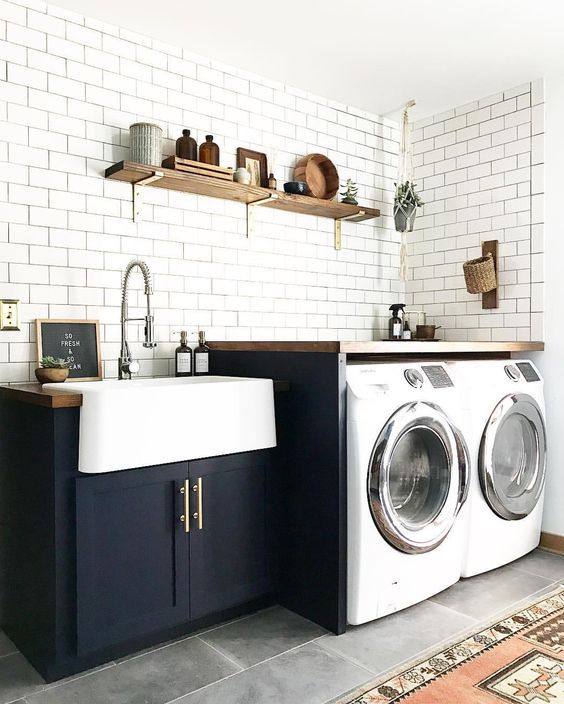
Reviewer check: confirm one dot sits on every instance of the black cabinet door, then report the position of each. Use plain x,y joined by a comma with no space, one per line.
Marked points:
230,554
132,554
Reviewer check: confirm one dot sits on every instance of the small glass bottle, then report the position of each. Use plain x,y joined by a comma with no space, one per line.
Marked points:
209,151
186,146
183,356
201,356
271,182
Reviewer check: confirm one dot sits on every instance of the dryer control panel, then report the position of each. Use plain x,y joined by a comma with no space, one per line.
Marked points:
438,376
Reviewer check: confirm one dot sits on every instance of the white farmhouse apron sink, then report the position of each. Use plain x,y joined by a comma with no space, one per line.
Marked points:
142,422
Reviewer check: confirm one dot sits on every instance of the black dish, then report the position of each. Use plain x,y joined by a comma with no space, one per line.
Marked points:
298,188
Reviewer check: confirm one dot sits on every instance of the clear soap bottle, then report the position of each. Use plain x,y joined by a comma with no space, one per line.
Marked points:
183,356
201,356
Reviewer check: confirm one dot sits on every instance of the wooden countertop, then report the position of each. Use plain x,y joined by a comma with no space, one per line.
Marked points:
383,347
38,396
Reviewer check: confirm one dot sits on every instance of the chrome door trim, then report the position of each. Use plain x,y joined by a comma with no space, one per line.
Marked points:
409,417
524,405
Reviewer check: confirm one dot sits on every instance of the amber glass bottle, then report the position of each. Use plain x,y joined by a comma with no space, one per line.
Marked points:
186,146
183,356
209,151
201,356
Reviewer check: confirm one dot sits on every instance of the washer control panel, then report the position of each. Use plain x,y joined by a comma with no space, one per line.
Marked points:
438,376
414,378
528,371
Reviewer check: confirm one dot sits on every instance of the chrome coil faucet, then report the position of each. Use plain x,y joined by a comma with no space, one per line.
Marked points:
127,365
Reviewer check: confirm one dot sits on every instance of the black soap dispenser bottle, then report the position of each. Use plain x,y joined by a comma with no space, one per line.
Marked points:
183,356
395,323
201,356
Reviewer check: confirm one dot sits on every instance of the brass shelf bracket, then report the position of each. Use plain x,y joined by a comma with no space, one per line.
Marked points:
138,193
338,231
251,212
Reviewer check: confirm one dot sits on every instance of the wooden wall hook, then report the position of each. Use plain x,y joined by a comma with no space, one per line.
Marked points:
491,298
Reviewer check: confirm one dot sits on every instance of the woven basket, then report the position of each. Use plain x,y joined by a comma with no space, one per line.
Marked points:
480,274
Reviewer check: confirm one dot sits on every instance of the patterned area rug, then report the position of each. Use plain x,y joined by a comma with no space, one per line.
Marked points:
519,659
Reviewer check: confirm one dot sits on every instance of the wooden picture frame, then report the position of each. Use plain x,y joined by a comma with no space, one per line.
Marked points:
61,337
255,163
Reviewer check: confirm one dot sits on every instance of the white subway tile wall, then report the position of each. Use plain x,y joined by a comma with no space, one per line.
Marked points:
480,172
70,87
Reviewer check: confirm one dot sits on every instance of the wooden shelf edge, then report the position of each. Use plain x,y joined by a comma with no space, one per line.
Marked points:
378,347
131,172
36,395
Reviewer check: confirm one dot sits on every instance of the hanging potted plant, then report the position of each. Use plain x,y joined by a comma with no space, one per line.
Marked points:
406,202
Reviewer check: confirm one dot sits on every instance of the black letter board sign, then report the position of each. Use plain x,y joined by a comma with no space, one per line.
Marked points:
77,341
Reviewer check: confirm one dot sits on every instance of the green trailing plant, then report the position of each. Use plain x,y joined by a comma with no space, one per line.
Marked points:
49,362
406,195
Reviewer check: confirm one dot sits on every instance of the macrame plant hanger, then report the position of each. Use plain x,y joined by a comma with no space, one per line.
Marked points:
404,217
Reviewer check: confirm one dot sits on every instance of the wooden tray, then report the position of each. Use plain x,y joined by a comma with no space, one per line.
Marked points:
197,167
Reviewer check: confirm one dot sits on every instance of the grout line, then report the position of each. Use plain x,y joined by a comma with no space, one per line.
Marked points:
79,676
507,610
535,574
429,649
452,609
136,656
197,634
349,659
7,655
235,674
240,667
244,617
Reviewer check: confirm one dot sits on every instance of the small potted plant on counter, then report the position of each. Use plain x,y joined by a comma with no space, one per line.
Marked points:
406,202
52,370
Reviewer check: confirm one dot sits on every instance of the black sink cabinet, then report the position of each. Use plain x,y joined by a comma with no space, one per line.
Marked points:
98,566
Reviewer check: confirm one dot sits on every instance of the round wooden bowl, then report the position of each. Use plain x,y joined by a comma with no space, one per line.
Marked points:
50,375
320,174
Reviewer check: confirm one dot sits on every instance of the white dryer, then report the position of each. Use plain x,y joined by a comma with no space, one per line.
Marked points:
407,469
507,437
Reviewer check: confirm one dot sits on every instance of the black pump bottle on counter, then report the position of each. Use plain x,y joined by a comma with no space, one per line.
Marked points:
395,323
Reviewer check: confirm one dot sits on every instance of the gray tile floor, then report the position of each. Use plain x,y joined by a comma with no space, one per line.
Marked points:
277,657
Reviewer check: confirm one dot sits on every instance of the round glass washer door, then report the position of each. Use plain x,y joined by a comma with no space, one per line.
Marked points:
513,457
417,478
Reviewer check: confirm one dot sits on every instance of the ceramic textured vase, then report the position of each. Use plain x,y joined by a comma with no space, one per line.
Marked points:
146,143
243,176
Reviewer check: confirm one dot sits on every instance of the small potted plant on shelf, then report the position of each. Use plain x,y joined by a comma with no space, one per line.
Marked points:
350,193
406,202
52,370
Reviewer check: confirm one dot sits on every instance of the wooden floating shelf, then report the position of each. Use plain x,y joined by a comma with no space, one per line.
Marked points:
306,205
159,177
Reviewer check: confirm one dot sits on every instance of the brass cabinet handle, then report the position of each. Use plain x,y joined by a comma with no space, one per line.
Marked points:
199,514
185,518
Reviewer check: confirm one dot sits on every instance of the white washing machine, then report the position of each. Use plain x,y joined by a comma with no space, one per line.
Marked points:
507,439
407,468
